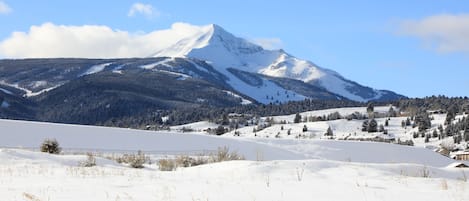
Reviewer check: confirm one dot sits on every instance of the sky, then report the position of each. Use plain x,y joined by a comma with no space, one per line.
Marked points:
413,47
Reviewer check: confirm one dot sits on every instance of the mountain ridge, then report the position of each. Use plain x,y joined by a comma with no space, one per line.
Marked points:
224,50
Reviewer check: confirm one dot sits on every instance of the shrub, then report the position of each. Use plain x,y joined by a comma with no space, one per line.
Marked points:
137,161
220,130
223,154
90,161
50,146
167,165
181,161
134,160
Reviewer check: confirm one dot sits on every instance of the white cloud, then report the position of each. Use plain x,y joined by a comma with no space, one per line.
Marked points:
90,41
269,43
4,8
146,10
443,33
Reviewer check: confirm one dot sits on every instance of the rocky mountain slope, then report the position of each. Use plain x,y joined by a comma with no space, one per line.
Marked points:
223,50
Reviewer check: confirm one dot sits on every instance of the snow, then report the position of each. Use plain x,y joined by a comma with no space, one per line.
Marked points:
5,104
153,65
6,91
95,69
74,137
198,66
37,84
181,76
29,93
243,100
290,67
362,152
196,126
342,111
223,50
276,169
260,93
118,69
37,176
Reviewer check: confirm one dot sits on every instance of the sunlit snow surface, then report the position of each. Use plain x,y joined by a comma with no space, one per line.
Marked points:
275,169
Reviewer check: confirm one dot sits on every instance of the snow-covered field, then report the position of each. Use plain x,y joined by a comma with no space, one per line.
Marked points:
284,168
35,176
74,138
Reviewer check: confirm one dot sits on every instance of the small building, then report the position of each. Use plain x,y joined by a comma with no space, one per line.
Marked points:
458,165
462,156
436,111
443,151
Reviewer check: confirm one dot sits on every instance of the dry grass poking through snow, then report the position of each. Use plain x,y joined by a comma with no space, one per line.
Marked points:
223,154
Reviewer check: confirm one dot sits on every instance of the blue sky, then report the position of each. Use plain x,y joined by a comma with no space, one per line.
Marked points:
416,48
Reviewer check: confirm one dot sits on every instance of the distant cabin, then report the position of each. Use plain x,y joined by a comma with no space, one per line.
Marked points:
444,152
464,156
458,165
436,111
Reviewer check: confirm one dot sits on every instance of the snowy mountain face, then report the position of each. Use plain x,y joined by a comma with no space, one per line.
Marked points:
223,50
196,66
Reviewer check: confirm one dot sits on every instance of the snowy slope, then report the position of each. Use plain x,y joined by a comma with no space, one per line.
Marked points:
96,69
224,50
36,176
359,170
74,137
91,138
363,152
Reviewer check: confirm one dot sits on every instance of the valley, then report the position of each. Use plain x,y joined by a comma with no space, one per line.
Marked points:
305,161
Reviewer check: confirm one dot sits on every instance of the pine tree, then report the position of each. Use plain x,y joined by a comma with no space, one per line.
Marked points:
440,128
449,118
466,135
365,126
297,118
392,112
370,107
372,126
329,132
407,122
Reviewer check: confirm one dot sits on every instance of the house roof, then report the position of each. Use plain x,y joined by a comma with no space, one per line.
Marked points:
458,165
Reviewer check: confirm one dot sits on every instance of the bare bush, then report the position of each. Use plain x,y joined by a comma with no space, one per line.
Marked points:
425,172
137,161
224,154
134,160
444,185
167,164
89,162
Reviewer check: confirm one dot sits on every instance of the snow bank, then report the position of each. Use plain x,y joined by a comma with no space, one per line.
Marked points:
31,134
363,152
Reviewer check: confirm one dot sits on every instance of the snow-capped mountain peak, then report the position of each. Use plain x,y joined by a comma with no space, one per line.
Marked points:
212,43
223,50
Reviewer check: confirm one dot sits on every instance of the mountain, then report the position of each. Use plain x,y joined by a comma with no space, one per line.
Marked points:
223,50
205,66
93,91
96,91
